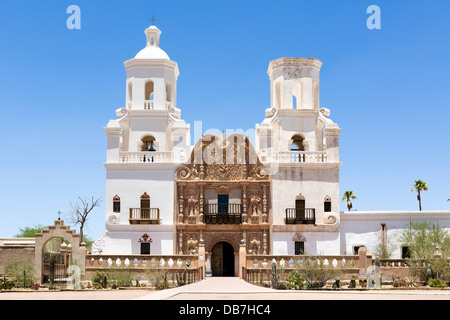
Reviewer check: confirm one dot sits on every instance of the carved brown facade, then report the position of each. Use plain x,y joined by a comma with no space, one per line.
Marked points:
221,170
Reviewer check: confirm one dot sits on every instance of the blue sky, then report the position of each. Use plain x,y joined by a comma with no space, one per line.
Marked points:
387,89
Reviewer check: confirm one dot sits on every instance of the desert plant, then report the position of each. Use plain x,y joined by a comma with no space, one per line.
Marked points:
22,273
6,283
157,277
349,195
411,281
428,245
437,283
419,185
398,282
35,286
316,273
181,281
295,280
352,283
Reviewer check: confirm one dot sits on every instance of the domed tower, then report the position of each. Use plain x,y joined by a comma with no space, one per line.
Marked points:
151,120
145,144
151,76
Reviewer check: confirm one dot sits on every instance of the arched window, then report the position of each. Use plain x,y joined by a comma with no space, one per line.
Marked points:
297,143
168,92
116,203
327,204
148,143
130,91
278,95
149,90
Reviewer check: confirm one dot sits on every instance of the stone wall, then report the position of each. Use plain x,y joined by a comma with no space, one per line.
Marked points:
11,254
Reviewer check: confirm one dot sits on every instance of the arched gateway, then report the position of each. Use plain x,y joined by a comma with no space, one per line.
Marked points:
59,230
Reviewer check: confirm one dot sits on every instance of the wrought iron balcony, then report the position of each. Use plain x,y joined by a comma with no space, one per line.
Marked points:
144,216
300,216
222,213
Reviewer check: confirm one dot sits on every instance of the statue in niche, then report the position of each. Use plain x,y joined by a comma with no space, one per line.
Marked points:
254,246
192,246
192,206
255,204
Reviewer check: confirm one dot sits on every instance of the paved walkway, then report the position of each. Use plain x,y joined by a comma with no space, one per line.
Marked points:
228,288
208,289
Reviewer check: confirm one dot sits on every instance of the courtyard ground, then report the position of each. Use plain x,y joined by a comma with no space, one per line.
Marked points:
217,288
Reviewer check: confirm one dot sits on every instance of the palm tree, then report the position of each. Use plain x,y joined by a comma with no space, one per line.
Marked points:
420,185
347,196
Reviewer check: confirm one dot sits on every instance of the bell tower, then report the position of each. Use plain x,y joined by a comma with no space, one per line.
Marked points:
151,76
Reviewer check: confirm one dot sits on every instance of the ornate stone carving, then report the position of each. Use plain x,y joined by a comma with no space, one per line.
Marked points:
235,161
223,190
299,237
300,197
145,239
192,246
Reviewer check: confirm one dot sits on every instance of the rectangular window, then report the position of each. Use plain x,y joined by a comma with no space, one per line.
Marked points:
116,206
299,248
406,253
327,206
145,248
355,250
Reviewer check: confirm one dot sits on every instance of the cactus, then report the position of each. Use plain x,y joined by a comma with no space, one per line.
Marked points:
51,269
182,281
274,275
430,272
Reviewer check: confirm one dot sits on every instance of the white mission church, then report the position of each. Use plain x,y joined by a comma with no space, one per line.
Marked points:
280,196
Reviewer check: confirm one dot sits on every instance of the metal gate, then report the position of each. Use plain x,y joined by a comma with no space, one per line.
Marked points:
61,262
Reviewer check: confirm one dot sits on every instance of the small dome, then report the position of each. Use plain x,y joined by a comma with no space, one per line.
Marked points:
152,52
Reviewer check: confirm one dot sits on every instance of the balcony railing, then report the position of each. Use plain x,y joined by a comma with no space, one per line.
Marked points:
222,213
146,157
300,157
148,105
144,216
300,216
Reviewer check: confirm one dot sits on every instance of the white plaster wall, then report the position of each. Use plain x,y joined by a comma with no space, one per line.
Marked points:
130,183
365,227
323,243
126,240
313,183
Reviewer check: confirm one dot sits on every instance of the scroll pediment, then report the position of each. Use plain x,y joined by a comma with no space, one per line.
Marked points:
217,159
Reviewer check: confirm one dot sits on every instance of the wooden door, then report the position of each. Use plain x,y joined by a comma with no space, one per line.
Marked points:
300,209
217,259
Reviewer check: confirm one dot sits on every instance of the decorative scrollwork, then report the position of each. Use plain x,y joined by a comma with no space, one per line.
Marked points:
331,218
113,218
183,173
121,112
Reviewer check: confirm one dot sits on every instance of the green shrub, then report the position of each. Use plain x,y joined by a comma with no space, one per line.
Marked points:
295,280
6,283
437,283
316,273
22,273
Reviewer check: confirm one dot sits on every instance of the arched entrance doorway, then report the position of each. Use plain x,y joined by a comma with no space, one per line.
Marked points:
222,259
